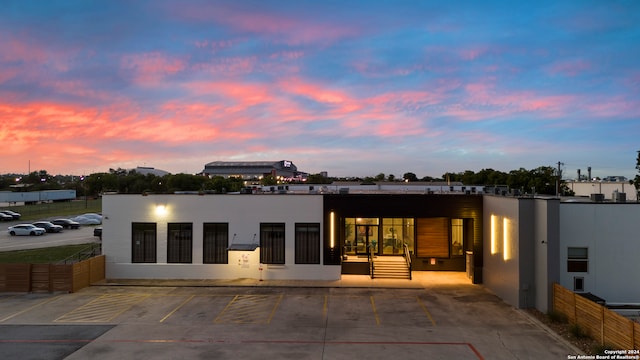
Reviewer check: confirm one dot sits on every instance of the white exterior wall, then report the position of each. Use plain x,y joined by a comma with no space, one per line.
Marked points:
520,249
586,188
545,244
501,270
243,213
612,235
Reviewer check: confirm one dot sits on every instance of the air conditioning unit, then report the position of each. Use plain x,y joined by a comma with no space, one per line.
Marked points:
619,196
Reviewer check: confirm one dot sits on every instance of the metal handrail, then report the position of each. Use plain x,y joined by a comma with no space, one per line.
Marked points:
87,252
407,258
371,264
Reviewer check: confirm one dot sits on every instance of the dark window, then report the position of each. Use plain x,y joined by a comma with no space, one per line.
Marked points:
179,243
143,242
308,243
577,259
272,243
578,283
216,243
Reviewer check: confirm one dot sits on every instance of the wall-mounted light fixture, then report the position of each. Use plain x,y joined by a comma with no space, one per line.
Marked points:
332,227
494,235
506,234
161,210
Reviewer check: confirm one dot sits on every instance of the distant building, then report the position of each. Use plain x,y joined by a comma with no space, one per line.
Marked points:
248,170
615,178
149,170
609,190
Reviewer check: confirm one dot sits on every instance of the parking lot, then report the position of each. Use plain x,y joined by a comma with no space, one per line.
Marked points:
448,319
82,235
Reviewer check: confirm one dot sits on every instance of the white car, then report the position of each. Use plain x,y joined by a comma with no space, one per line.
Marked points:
25,229
88,219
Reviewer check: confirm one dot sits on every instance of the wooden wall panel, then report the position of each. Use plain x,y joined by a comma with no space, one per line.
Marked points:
97,270
432,237
17,277
618,330
589,317
62,277
40,277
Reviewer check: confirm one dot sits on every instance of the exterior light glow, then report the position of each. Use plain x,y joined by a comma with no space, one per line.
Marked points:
506,250
494,240
161,210
332,227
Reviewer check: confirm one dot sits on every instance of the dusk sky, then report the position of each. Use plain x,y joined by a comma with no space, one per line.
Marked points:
354,88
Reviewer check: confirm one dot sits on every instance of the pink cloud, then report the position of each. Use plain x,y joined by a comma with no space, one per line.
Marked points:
228,67
151,68
14,49
279,27
242,95
313,91
569,68
472,53
7,74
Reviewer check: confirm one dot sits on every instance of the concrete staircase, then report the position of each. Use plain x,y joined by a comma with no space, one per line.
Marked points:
390,267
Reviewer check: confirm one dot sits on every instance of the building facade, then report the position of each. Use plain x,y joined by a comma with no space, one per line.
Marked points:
248,170
515,246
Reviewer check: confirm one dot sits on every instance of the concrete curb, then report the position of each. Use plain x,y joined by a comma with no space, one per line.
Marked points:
552,333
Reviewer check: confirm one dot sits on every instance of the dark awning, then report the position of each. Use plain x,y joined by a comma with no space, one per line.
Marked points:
242,247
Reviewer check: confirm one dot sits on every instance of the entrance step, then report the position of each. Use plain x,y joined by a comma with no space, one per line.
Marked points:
390,267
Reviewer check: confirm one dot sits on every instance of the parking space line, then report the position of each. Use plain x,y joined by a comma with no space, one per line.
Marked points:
375,311
177,308
275,307
104,308
249,309
325,309
30,308
424,308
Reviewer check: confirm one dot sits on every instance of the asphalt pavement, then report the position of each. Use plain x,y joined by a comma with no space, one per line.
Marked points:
83,235
437,315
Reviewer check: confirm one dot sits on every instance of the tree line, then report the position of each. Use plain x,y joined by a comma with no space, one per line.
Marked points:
541,180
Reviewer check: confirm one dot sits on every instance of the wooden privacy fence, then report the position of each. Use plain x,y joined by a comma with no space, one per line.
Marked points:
605,326
51,277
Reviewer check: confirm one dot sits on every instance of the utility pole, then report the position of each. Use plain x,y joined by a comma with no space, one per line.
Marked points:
559,177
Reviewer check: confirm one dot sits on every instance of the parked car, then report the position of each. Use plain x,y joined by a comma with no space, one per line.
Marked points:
5,217
97,231
13,214
66,223
48,226
25,229
88,219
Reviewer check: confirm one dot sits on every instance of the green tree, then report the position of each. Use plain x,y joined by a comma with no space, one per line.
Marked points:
318,179
409,176
636,181
184,182
269,180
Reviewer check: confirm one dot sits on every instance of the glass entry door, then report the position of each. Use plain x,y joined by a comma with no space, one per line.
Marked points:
366,237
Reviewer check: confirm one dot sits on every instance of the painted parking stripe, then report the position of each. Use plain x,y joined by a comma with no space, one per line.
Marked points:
30,308
249,309
103,309
375,311
426,311
177,308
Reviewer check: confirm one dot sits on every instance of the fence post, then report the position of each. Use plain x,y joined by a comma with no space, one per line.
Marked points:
602,326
